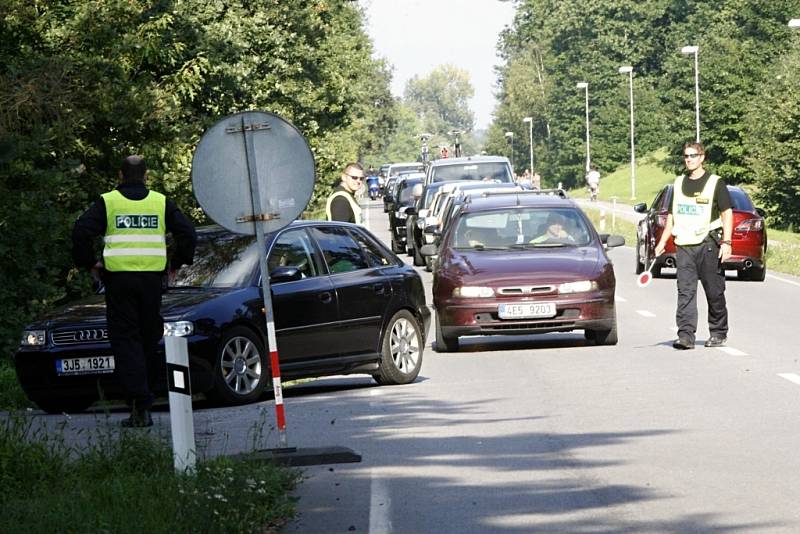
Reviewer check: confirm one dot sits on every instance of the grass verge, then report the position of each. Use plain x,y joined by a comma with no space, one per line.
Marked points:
124,482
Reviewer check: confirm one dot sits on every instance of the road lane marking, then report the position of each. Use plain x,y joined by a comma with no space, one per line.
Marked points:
791,377
619,299
379,505
783,279
645,313
732,351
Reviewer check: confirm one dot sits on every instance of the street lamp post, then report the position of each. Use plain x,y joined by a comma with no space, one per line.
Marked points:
529,120
629,71
585,86
687,50
510,136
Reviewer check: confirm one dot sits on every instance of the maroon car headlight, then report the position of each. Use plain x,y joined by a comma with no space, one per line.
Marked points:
473,292
578,287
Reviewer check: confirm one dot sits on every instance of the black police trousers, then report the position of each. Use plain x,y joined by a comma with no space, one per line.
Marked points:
700,262
135,326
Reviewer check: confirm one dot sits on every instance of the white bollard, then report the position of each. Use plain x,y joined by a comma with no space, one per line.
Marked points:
180,404
602,220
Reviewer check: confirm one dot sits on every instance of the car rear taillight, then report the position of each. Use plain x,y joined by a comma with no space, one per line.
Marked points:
750,225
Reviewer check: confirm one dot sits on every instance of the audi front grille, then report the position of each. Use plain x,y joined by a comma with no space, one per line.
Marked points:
81,336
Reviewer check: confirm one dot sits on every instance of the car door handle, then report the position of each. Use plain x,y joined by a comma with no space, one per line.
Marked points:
326,297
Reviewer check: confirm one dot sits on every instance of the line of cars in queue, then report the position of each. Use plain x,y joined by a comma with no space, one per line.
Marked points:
505,260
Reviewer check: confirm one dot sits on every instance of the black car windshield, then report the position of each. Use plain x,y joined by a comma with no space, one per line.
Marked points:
495,171
220,260
532,227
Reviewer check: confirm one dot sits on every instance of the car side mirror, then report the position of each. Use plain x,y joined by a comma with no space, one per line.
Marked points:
284,274
432,229
640,208
761,212
428,250
612,240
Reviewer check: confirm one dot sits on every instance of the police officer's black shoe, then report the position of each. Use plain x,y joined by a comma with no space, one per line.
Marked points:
138,419
715,341
682,344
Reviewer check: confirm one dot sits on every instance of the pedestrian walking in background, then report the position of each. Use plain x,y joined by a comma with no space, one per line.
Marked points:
134,222
342,204
701,221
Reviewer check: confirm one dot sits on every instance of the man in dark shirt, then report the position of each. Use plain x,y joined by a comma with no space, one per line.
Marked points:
133,221
702,223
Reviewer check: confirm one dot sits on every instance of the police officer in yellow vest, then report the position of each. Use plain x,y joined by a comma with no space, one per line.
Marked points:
133,222
701,221
342,205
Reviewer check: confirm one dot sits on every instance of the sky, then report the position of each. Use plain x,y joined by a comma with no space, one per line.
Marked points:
415,36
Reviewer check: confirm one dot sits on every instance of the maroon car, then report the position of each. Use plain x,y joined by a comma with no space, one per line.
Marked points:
523,262
748,242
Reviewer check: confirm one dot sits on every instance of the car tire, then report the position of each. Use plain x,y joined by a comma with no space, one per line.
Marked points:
396,248
241,368
603,337
444,344
656,271
58,405
754,274
401,350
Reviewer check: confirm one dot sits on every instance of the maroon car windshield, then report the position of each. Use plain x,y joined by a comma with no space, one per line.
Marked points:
521,228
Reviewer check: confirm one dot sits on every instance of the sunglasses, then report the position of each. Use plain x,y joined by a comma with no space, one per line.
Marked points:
691,156
359,178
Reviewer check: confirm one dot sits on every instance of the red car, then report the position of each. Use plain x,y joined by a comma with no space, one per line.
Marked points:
749,239
523,262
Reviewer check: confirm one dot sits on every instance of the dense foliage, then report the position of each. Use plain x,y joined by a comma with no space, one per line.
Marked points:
748,100
85,82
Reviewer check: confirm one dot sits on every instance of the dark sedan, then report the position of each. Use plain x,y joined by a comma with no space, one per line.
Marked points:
343,303
523,263
748,241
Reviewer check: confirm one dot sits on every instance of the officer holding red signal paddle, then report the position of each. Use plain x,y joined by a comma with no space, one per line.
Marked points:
701,221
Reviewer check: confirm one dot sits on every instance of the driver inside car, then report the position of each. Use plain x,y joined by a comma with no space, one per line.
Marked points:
555,230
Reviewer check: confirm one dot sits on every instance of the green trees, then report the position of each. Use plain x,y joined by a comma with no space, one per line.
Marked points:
554,44
83,83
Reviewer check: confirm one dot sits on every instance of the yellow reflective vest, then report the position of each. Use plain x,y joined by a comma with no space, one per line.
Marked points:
135,232
353,204
692,215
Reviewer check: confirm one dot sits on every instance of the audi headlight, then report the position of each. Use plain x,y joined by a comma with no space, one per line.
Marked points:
178,328
577,287
33,338
473,292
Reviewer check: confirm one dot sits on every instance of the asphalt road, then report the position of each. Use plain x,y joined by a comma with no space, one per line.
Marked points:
547,434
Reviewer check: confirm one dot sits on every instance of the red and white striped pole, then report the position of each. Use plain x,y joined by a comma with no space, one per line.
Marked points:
276,383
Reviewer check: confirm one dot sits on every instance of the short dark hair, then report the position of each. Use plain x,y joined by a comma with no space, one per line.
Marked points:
133,169
353,165
695,145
